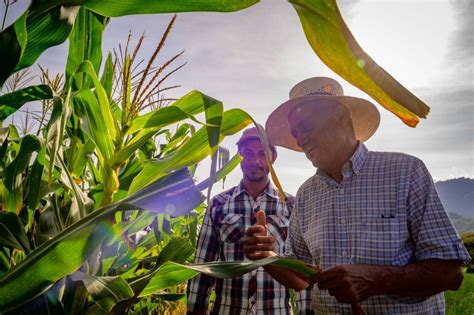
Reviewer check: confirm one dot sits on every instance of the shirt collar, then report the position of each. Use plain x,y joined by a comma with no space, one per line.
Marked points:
354,165
358,158
270,190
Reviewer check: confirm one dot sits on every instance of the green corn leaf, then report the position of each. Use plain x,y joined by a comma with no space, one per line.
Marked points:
34,32
4,132
106,291
83,154
177,250
191,104
105,110
108,77
11,200
67,251
142,220
11,102
214,110
56,126
12,39
12,232
127,7
333,42
85,42
46,30
130,149
171,273
34,184
193,151
13,132
94,124
13,172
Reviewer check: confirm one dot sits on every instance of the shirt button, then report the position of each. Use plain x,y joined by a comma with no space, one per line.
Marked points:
344,254
343,221
341,191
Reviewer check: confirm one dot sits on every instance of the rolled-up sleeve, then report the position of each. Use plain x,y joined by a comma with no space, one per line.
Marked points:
432,231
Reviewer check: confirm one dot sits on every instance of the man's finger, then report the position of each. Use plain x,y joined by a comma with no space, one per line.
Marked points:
328,285
259,247
257,255
254,229
327,275
249,240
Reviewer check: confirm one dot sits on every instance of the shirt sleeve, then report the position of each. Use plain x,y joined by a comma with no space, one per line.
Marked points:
295,246
199,288
433,233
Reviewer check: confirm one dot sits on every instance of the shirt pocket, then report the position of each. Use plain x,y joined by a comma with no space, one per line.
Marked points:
278,227
378,240
232,228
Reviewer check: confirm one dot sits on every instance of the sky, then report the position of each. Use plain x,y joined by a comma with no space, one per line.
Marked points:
250,59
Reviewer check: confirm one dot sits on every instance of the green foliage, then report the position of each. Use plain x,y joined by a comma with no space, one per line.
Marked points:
461,302
468,240
75,236
9,103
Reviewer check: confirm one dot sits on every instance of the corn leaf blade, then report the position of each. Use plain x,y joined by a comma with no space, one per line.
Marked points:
333,42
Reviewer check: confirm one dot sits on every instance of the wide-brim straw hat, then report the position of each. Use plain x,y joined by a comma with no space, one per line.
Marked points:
365,116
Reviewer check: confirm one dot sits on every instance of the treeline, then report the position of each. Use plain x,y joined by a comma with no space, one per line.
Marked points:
461,223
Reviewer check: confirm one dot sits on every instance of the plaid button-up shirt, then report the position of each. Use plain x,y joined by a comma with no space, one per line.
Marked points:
221,238
385,211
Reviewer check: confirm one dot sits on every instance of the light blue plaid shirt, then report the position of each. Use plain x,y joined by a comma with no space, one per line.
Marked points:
385,211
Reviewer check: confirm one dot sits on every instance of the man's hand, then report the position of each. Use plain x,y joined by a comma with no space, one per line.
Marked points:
257,244
350,283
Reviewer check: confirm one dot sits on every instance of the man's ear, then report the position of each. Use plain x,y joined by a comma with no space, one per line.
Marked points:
274,156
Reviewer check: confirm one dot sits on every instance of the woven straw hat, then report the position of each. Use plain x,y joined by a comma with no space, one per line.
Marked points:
365,117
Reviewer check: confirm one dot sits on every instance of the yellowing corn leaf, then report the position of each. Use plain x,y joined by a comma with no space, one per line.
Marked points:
333,42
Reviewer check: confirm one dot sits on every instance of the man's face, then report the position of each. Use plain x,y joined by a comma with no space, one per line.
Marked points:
317,131
254,166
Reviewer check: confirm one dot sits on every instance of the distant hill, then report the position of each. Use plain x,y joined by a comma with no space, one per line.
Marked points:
457,195
461,223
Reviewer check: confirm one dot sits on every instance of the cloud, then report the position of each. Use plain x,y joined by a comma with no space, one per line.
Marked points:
461,54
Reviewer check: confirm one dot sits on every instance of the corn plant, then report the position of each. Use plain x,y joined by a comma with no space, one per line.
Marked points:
82,229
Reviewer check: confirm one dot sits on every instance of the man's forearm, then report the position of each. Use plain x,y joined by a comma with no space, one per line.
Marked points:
421,279
287,277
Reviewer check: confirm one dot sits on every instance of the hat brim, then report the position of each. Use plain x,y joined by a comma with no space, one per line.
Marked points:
365,119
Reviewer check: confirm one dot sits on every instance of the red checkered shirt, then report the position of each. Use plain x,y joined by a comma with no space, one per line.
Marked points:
221,238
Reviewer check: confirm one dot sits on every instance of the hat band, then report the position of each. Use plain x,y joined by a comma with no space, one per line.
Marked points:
320,93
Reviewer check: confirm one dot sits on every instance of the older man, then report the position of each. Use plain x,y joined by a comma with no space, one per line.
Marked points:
221,238
372,221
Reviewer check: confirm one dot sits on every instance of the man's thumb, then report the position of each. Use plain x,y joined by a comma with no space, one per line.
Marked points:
261,219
